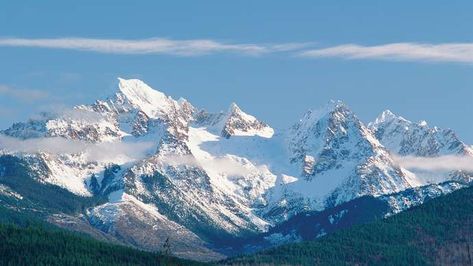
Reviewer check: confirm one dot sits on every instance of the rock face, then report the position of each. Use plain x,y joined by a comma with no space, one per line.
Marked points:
337,150
337,159
313,224
418,139
238,123
145,167
406,138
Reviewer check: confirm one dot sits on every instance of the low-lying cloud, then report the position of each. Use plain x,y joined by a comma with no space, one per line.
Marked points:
152,46
441,163
96,152
448,52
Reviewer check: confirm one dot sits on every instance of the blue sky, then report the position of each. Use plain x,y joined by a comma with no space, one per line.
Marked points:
276,59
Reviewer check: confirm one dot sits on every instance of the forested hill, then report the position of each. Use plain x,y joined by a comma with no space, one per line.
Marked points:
27,241
438,232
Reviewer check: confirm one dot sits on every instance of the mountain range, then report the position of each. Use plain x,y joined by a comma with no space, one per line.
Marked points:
139,167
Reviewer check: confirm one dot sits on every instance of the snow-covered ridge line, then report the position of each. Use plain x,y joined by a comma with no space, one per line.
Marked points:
226,172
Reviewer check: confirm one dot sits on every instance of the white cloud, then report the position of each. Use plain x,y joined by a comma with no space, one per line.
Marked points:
441,163
25,95
403,51
448,52
151,46
101,152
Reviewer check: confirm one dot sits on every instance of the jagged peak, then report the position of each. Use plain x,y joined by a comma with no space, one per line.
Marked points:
334,108
137,89
405,137
237,122
334,120
424,123
235,111
234,108
386,117
152,102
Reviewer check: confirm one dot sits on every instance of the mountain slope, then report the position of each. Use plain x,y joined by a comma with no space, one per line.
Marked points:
418,139
438,232
405,138
311,225
27,240
338,160
139,166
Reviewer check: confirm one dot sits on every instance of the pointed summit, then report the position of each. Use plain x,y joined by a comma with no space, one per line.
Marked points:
327,129
234,108
239,123
332,107
340,157
404,137
333,120
423,123
143,97
387,117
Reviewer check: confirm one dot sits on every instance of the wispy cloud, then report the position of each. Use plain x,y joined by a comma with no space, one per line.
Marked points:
448,52
441,163
25,95
402,51
152,46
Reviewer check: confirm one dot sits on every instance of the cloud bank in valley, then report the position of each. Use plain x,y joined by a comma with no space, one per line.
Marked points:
441,163
117,152
100,152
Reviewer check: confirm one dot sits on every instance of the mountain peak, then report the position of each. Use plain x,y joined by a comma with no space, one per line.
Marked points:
134,85
423,123
404,137
234,108
332,123
335,150
143,97
239,123
332,106
333,109
387,116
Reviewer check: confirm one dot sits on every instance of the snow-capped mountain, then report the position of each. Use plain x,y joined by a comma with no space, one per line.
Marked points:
148,167
238,123
336,159
405,138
